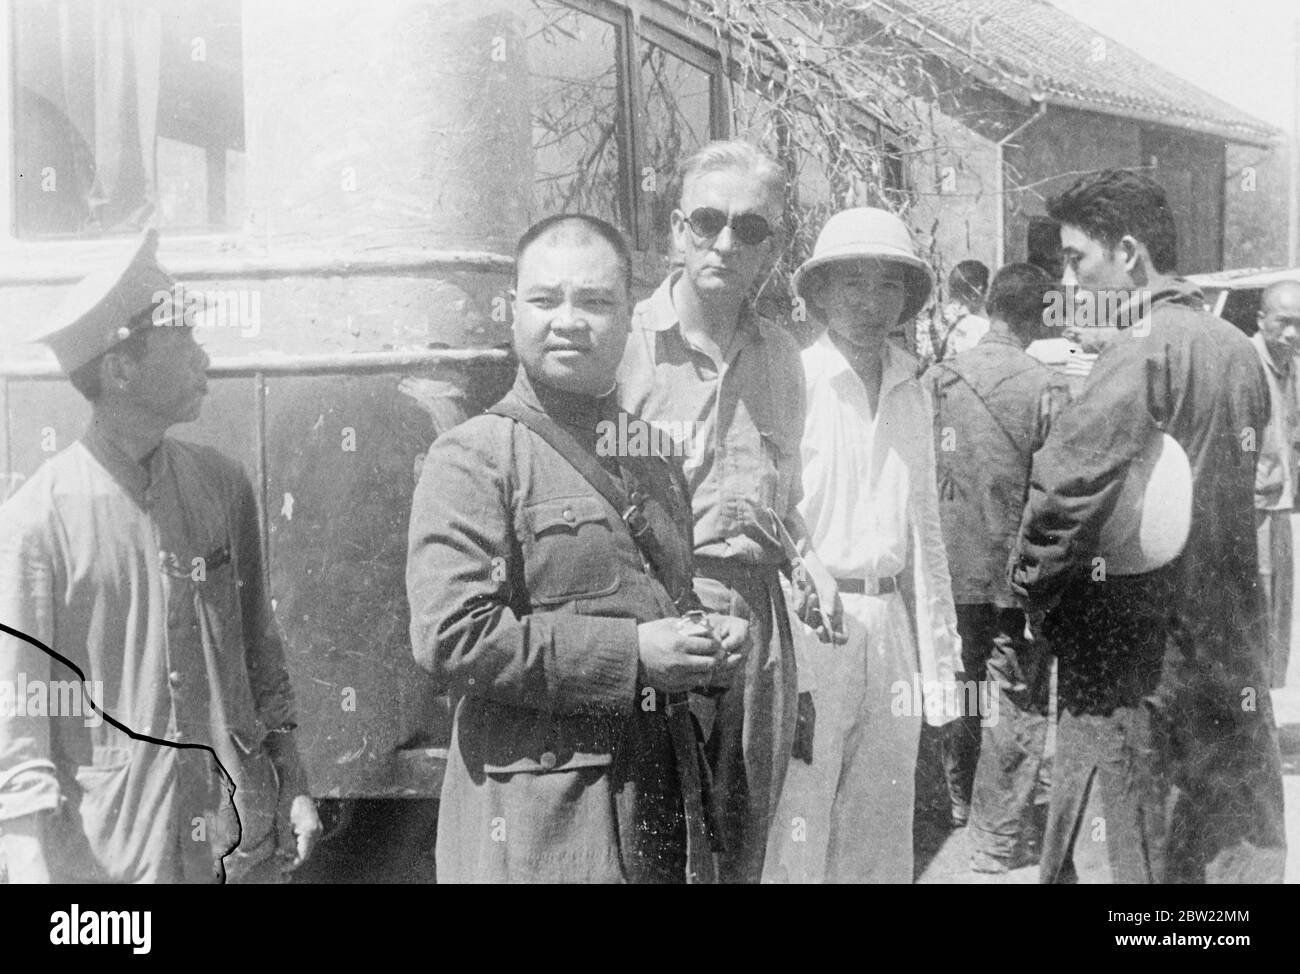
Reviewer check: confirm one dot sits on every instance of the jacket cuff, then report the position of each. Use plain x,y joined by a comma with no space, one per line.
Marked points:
594,664
28,791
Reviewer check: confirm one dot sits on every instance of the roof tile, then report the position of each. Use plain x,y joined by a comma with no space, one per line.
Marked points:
1027,40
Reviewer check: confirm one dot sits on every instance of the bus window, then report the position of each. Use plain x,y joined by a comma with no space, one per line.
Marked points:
573,66
677,122
123,111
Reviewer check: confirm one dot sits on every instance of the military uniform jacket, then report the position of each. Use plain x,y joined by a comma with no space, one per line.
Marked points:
150,579
526,592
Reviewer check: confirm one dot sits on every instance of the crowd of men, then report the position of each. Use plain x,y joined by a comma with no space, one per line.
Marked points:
714,664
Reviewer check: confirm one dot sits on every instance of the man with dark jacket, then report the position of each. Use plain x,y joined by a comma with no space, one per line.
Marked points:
1167,760
555,630
993,407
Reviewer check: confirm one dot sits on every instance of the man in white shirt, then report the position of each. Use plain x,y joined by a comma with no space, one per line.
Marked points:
871,506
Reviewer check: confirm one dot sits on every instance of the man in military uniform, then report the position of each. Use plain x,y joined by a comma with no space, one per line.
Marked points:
137,558
573,756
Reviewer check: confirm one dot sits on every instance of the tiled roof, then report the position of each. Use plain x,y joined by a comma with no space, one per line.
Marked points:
1031,46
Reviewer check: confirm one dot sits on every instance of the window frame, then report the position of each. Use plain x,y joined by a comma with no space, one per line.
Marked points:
621,19
677,46
205,237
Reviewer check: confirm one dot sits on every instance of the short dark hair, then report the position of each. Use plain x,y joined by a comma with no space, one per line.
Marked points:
969,282
606,231
1017,297
86,379
1116,203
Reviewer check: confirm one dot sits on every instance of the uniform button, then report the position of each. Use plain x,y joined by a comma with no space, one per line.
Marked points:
547,760
569,516
174,678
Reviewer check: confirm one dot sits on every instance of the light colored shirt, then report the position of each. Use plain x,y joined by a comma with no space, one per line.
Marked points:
869,494
1275,480
149,578
1064,356
965,333
738,422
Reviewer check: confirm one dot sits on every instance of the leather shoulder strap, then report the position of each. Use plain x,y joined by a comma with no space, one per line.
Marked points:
627,506
566,446
980,396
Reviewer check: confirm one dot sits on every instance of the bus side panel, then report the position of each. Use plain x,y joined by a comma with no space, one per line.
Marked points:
345,454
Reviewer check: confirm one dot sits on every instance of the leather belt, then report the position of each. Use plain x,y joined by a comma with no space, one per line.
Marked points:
868,586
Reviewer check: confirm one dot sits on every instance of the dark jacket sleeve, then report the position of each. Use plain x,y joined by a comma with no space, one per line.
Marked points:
1052,402
471,626
1078,474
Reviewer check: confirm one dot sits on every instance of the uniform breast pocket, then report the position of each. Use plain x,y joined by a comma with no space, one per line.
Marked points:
569,550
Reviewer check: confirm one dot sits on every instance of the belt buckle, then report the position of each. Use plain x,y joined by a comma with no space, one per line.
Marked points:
879,586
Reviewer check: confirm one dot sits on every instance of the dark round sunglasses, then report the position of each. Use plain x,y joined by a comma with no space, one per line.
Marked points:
748,228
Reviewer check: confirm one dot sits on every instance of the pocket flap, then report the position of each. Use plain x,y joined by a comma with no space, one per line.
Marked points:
565,513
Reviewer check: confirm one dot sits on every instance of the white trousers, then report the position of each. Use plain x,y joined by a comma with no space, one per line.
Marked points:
847,817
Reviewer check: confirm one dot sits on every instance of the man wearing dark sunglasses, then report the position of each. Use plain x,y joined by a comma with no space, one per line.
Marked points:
700,359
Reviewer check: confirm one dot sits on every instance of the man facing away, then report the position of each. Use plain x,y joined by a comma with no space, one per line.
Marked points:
993,407
968,284
1167,766
573,757
138,558
872,513
700,358
1276,343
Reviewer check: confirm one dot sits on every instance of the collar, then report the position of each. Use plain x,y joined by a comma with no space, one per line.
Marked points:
658,313
580,412
136,477
899,364
992,337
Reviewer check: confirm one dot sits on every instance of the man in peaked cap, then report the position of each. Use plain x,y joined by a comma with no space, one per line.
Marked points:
871,507
137,558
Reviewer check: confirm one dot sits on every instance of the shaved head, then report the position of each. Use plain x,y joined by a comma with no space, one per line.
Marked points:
576,230
1279,318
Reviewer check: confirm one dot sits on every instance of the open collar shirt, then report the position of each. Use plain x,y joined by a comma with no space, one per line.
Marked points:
869,495
736,423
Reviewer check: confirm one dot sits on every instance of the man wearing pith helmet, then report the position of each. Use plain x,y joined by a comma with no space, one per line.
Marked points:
870,503
137,558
